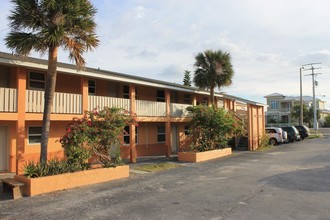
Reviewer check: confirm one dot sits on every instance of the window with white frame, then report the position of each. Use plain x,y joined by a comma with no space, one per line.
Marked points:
274,105
161,135
37,80
34,135
127,135
91,87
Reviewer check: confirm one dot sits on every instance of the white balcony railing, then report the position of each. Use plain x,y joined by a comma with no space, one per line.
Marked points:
102,101
179,110
63,103
150,108
8,100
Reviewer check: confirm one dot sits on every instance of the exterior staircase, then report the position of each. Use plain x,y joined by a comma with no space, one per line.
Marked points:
242,144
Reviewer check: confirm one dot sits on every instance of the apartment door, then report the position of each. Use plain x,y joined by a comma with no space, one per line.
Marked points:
3,149
174,139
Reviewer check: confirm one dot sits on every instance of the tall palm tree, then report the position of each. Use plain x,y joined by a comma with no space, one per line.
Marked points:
44,26
213,69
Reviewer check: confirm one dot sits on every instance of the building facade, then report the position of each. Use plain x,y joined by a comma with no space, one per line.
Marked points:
160,108
279,108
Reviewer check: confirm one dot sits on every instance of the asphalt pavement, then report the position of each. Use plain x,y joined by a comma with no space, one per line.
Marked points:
291,181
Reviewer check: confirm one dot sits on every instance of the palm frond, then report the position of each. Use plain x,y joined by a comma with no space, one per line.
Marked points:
50,23
23,43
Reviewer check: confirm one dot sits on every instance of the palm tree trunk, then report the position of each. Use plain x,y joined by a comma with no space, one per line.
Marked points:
49,96
212,95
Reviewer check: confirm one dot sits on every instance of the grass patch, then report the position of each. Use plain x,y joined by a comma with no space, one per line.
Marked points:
313,136
157,167
265,148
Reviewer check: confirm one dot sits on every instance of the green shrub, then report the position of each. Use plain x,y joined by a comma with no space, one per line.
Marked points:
94,136
51,167
212,128
264,142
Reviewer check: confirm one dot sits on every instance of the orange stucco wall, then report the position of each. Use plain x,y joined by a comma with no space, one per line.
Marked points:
68,83
18,122
147,93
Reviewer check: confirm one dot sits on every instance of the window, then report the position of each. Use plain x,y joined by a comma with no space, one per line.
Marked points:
161,135
205,101
91,87
186,130
34,135
187,98
274,117
127,135
270,131
174,97
37,80
160,96
273,105
126,92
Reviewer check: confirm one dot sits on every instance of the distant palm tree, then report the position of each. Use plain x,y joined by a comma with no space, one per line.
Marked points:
213,69
44,26
186,78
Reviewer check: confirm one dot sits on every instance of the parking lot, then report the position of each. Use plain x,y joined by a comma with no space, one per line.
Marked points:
290,181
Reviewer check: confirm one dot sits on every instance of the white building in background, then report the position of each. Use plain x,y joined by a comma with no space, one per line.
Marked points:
279,108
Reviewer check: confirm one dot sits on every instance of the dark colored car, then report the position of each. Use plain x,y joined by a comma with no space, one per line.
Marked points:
303,131
293,133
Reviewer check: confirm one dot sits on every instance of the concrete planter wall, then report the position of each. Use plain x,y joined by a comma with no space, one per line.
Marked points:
35,186
203,156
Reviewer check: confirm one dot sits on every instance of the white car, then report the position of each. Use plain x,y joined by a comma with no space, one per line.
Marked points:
276,135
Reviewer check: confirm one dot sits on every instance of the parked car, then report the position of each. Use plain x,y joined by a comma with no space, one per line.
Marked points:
303,131
275,135
285,136
293,133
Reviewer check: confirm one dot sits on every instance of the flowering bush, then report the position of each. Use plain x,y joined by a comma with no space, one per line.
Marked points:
96,135
212,128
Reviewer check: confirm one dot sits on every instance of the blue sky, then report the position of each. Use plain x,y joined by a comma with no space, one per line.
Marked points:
268,41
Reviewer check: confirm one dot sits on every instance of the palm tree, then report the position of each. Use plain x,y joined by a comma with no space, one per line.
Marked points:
44,26
213,69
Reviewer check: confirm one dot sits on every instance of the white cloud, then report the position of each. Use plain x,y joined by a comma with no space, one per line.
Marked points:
268,40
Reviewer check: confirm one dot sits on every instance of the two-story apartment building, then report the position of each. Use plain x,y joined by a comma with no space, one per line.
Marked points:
279,108
160,107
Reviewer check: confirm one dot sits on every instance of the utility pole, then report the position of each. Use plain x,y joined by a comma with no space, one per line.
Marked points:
301,119
315,126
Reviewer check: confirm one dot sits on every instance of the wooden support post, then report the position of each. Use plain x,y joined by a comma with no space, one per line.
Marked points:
20,123
168,123
133,153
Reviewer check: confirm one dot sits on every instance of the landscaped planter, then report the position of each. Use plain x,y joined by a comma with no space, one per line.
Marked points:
35,186
203,156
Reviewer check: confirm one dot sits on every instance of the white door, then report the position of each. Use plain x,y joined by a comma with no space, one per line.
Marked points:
3,149
174,139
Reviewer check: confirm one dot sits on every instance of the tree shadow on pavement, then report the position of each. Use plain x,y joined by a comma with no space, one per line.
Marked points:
313,180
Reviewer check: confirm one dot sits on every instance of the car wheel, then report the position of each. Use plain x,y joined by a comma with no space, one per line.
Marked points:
273,142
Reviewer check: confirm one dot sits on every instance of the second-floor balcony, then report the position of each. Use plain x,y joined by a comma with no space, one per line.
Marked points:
69,103
286,110
8,100
63,103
